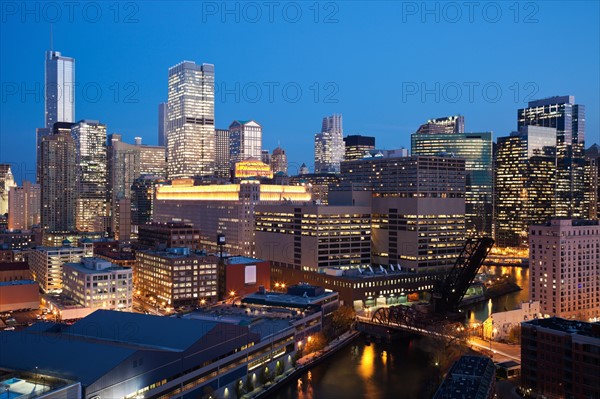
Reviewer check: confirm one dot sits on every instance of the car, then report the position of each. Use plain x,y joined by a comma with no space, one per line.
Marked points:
9,329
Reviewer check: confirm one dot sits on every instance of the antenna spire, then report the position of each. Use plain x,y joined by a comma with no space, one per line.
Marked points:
51,48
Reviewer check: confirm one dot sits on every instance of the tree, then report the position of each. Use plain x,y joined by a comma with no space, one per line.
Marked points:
239,389
514,335
249,385
315,342
342,318
279,368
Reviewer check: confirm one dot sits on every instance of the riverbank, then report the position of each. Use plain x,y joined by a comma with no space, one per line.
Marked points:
500,289
304,364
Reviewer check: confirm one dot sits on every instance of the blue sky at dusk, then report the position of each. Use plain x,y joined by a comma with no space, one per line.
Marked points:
386,66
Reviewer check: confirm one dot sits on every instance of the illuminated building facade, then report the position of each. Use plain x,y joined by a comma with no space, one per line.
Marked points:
59,89
24,206
191,120
310,237
58,179
592,177
226,209
99,284
252,167
92,173
329,145
418,208
176,276
279,162
317,183
561,113
444,125
126,164
46,264
162,124
356,146
476,150
6,182
564,268
223,159
245,140
525,181
168,235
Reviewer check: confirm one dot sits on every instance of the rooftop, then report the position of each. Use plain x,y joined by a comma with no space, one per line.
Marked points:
568,326
237,260
17,282
469,377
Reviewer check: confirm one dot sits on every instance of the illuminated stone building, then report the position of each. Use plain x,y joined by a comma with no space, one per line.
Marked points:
226,209
445,125
24,206
252,167
329,145
279,162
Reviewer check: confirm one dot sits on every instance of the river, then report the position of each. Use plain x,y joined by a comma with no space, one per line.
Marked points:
402,369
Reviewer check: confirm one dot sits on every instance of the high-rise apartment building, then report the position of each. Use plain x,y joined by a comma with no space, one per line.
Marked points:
329,145
58,179
356,146
279,162
162,124
592,180
24,206
59,89
568,118
564,268
7,181
445,125
525,183
245,141
126,164
223,163
560,358
476,150
92,173
191,120
142,195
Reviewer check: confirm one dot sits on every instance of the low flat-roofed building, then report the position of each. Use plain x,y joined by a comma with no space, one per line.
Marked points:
299,296
19,294
176,276
98,283
46,264
560,358
242,275
31,385
14,271
472,377
137,355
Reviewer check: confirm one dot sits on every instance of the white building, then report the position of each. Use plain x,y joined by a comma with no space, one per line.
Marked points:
24,206
98,283
59,89
245,141
46,263
329,145
191,120
564,268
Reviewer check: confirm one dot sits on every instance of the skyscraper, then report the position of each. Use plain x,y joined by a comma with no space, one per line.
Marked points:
476,150
245,140
279,161
92,172
525,183
356,146
568,118
59,89
592,186
447,124
24,206
58,179
329,145
6,182
191,120
222,162
162,124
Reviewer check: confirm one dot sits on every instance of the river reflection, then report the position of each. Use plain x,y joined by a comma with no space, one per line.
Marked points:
480,311
374,371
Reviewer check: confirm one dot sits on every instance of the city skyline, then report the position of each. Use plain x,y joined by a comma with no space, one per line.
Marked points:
395,114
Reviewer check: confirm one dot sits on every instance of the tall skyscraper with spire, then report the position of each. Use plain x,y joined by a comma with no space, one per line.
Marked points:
59,95
329,145
59,89
191,120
